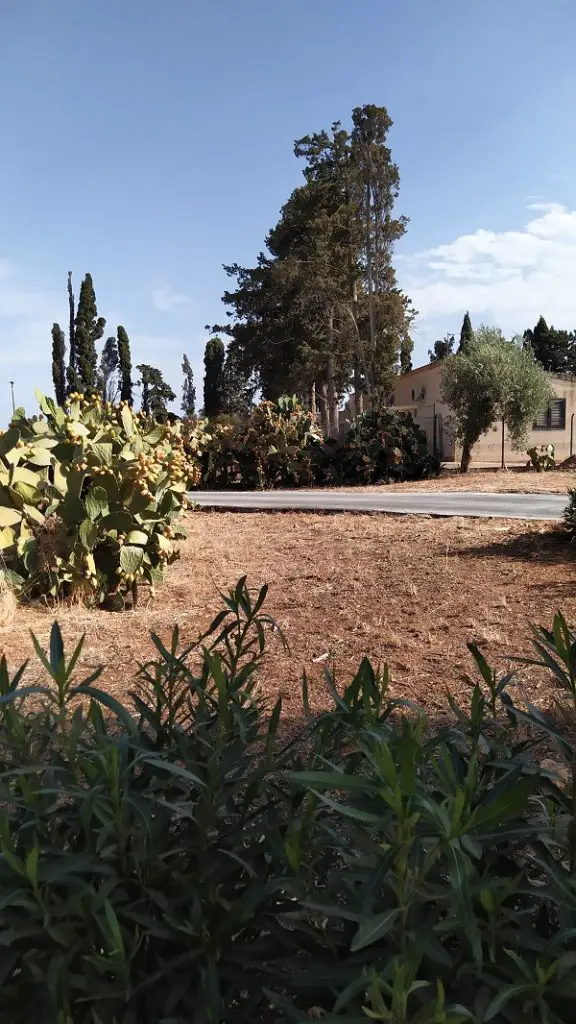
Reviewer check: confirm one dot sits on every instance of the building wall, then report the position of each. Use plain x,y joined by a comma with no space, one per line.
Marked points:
489,447
420,391
425,385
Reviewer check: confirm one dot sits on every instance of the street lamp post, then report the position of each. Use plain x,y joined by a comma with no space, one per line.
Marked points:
12,394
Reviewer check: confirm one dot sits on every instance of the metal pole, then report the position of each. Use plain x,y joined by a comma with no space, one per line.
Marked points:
12,394
434,438
571,432
503,466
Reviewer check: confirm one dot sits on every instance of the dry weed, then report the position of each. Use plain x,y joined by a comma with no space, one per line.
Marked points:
8,605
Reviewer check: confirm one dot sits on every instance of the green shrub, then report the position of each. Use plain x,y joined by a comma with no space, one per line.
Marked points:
570,511
281,445
89,497
542,457
187,859
380,447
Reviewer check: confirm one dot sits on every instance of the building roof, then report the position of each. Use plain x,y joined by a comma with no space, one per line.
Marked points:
420,369
438,363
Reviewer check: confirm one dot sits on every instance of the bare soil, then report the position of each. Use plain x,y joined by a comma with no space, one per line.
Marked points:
410,592
496,481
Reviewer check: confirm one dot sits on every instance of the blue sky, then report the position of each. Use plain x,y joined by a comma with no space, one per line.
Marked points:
151,142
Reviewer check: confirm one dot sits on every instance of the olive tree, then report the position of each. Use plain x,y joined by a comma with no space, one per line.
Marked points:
493,379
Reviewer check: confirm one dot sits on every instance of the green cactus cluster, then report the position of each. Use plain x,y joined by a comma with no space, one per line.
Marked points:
271,447
90,495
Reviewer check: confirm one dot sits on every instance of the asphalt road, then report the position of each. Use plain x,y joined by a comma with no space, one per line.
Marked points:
435,503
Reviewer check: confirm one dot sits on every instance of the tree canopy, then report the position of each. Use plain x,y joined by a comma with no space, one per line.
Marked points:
466,332
493,379
188,389
156,393
442,348
555,350
108,373
59,363
321,310
88,329
124,366
238,388
214,359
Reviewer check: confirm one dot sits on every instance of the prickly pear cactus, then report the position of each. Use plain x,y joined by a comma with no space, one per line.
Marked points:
90,495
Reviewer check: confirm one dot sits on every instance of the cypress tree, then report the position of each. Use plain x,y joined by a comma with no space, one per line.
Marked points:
214,358
467,333
188,389
554,349
88,329
125,366
58,366
108,367
72,371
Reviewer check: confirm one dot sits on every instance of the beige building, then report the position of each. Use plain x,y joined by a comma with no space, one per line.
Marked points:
420,392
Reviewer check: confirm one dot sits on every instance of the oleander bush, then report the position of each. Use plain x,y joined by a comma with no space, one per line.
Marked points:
191,856
90,495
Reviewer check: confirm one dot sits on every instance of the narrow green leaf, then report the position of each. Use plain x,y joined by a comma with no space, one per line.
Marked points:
56,648
510,803
101,697
332,780
373,929
503,997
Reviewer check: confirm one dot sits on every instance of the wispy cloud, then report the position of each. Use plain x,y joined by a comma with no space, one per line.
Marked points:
506,277
166,300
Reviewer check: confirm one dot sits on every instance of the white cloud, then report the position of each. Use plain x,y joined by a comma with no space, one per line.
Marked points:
165,300
507,277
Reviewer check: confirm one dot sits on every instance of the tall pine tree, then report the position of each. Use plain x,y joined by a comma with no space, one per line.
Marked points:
214,358
124,366
88,329
58,363
466,333
188,389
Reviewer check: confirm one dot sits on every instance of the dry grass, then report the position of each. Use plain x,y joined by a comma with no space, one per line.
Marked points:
496,481
8,605
407,591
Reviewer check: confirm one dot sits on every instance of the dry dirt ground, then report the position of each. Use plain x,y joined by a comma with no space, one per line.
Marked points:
408,591
511,481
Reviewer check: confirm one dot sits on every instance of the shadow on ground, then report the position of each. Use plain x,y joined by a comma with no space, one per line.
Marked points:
549,548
